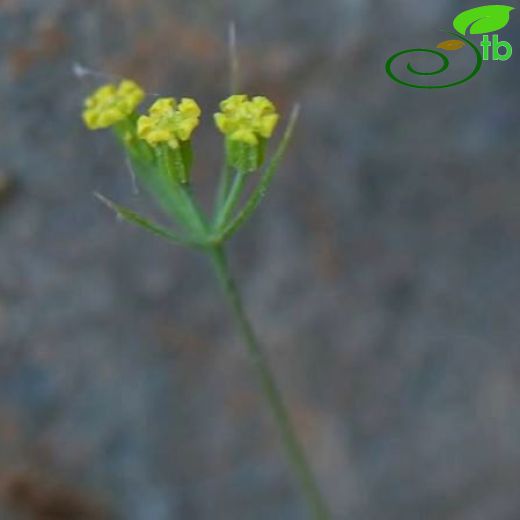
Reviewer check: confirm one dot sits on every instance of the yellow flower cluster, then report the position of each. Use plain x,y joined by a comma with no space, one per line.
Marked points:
110,104
246,120
169,122
241,119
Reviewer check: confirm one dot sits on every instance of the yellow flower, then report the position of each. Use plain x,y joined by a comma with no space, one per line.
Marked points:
246,120
169,122
110,104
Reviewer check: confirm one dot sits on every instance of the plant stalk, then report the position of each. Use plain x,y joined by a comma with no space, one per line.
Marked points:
269,388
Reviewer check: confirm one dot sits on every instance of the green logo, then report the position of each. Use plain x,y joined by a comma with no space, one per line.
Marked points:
480,20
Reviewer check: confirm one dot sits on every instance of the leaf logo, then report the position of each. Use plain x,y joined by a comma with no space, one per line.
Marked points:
482,20
451,45
479,20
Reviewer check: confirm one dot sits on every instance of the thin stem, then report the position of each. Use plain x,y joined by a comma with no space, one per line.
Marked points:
226,176
231,201
270,389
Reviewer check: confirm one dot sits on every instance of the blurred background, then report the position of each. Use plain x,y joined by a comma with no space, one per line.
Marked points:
381,273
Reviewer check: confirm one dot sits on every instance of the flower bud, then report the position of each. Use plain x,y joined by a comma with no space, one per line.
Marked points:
247,124
168,129
111,104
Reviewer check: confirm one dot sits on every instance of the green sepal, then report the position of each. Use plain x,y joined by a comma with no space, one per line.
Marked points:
187,158
244,157
262,146
171,163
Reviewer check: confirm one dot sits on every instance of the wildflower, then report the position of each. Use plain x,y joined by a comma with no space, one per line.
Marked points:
247,124
164,134
168,129
111,104
169,122
246,121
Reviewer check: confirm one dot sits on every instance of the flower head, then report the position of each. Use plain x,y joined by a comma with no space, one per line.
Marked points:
110,104
246,120
169,122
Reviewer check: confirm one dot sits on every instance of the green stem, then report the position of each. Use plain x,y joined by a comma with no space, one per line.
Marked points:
270,389
232,199
223,187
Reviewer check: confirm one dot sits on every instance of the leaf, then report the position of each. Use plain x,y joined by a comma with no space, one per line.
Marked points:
482,20
138,220
451,45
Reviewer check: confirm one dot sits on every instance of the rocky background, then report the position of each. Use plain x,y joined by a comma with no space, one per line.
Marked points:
382,272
